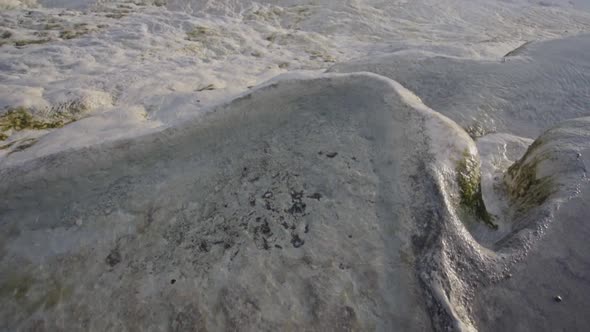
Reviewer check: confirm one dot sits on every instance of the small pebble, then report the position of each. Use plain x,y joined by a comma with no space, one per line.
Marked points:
172,281
558,298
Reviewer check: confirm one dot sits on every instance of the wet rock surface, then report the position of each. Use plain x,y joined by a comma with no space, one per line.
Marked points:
226,225
222,224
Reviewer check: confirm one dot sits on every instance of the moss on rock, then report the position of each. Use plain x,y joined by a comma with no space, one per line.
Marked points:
71,34
31,294
524,185
16,286
20,119
52,26
200,34
25,42
55,294
469,180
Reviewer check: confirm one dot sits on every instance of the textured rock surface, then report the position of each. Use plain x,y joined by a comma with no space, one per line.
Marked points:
292,207
311,203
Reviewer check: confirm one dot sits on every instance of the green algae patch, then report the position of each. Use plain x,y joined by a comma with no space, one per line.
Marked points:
16,286
200,34
320,55
475,131
80,29
25,42
469,181
70,34
55,295
524,186
20,119
52,26
29,294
